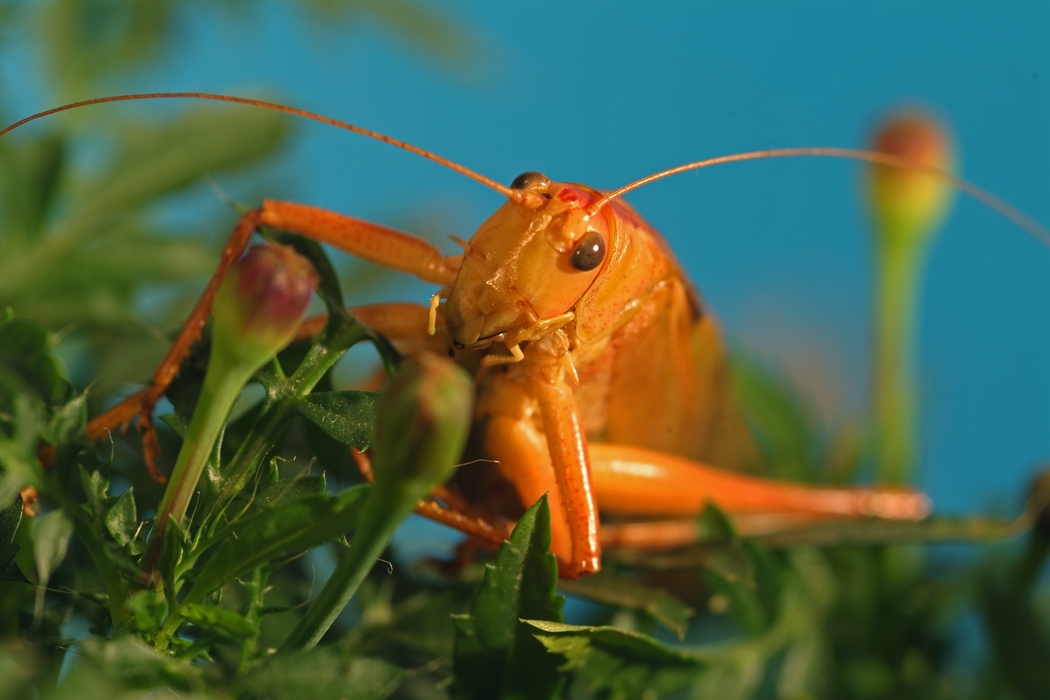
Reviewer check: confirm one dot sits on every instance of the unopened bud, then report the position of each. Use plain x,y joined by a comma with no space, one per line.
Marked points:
424,417
258,307
907,202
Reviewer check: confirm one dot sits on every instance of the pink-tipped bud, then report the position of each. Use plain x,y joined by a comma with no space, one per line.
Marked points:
258,307
907,202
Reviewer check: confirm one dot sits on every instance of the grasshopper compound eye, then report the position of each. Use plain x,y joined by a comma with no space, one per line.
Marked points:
589,253
538,182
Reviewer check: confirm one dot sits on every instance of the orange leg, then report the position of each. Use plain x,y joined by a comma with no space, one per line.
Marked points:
371,242
636,481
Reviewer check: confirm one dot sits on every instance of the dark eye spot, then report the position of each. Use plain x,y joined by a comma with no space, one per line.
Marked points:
589,252
531,181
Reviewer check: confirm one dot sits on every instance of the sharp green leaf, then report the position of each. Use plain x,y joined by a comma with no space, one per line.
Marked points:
220,620
623,592
347,416
615,664
321,674
495,655
289,528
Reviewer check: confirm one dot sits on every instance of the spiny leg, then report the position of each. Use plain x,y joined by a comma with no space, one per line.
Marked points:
369,241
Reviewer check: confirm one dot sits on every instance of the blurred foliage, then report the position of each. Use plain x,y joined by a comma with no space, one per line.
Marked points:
835,610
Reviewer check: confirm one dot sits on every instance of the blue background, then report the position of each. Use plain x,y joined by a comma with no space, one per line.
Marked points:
603,93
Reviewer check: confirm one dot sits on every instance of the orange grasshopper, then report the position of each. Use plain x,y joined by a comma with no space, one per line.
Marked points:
601,377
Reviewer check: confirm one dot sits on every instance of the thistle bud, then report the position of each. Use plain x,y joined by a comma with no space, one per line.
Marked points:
423,421
910,203
259,304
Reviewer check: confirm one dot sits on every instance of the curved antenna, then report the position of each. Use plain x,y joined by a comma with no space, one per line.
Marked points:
997,204
529,199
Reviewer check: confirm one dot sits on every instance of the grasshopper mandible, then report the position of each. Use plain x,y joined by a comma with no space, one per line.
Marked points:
601,376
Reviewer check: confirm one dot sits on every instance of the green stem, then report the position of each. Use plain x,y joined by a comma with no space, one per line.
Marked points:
222,384
385,510
899,261
343,332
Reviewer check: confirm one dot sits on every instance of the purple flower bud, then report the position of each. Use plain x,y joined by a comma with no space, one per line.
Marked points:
259,304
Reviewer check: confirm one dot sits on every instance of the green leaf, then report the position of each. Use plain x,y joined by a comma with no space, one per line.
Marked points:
10,519
278,493
225,622
52,542
159,160
324,673
273,534
149,608
620,591
96,486
122,520
495,654
26,362
618,664
67,421
347,416
134,664
28,182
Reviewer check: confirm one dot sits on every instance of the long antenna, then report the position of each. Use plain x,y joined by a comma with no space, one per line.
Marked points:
530,199
997,204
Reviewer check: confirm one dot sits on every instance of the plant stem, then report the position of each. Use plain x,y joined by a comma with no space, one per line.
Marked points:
899,263
385,510
222,384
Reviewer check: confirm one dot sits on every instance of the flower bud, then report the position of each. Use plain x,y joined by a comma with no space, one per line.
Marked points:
909,203
424,417
259,304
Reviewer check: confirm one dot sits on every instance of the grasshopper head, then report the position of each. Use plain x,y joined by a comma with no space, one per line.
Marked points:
527,265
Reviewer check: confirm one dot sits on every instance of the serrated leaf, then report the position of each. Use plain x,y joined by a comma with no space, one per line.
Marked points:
616,664
122,519
324,673
623,592
276,533
495,655
347,416
51,543
220,620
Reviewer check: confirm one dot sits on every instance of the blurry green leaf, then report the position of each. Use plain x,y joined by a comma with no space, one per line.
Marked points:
29,176
26,362
52,541
615,664
122,520
67,421
96,486
220,620
623,592
265,537
418,24
347,416
495,655
149,608
156,161
132,663
10,519
785,432
324,673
